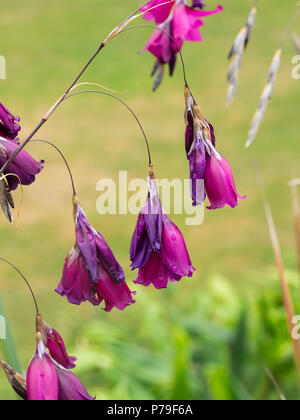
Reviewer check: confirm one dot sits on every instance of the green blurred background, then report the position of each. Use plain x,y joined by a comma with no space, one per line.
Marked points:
209,337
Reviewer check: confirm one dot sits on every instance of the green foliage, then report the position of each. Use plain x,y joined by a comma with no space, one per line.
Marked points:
195,351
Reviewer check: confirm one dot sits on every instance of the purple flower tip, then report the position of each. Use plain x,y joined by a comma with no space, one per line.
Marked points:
9,127
91,271
24,167
47,380
158,248
219,184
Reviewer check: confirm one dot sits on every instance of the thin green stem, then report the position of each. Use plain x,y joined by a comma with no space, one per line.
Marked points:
23,277
127,106
64,159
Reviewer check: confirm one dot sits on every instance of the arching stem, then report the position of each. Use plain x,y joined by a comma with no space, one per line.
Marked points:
23,277
288,28
127,106
64,159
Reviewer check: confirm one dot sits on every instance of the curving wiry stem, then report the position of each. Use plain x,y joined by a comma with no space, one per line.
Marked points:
123,103
288,28
64,159
26,281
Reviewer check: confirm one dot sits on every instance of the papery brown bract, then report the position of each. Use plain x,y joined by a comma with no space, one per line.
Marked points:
17,381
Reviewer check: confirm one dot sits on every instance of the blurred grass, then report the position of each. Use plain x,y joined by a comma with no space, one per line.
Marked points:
45,46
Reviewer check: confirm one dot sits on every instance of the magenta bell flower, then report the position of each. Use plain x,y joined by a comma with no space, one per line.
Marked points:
210,173
70,388
181,22
41,378
9,127
55,344
57,349
24,166
48,381
219,183
158,248
91,271
197,161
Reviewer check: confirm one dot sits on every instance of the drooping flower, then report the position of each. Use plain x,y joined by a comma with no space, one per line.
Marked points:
22,169
9,127
46,380
181,22
91,271
219,183
70,388
158,248
41,378
23,165
210,173
55,344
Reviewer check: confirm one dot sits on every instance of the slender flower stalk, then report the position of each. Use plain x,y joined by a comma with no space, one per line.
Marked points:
286,294
296,41
276,385
25,280
285,290
126,106
64,159
48,114
294,184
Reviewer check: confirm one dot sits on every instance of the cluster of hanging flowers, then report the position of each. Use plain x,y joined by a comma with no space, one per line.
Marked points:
22,170
91,272
49,375
177,22
158,249
210,173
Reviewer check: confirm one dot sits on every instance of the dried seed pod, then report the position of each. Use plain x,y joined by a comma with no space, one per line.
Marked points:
6,199
17,381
